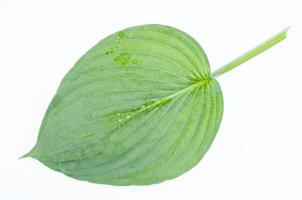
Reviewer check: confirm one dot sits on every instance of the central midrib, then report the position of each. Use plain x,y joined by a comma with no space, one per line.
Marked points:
188,89
125,116
163,100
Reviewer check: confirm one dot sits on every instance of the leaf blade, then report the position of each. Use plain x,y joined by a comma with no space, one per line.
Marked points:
109,108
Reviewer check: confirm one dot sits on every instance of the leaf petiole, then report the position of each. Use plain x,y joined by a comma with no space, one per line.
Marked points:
252,53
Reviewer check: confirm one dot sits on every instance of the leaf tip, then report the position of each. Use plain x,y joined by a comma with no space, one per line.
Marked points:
24,156
28,154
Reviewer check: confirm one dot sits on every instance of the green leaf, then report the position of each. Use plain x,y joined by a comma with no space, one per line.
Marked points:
138,108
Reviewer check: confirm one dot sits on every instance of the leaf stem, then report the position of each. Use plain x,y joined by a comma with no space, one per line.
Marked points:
252,53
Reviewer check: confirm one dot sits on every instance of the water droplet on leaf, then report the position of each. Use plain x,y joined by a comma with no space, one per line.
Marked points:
120,36
134,61
123,58
111,50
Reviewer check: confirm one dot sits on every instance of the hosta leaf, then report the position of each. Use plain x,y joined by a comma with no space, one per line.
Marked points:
139,108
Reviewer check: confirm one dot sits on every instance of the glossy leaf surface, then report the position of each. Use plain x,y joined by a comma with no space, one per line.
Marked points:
138,108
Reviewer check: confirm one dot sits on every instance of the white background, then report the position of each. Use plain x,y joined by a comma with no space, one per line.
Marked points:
257,152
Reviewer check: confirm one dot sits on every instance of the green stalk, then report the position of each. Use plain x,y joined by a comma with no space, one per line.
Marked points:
252,53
